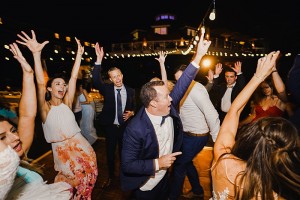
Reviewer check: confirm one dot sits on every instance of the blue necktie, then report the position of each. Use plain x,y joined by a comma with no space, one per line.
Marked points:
119,108
163,120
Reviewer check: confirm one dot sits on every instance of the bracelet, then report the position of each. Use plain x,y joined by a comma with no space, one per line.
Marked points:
258,77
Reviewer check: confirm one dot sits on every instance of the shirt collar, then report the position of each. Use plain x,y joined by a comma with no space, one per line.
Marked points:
154,118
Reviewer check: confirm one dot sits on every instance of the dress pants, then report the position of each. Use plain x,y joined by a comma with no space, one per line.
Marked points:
113,139
183,166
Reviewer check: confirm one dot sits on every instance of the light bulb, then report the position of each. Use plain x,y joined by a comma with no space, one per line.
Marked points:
212,15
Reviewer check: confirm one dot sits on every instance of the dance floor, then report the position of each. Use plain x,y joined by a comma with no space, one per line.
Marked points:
114,192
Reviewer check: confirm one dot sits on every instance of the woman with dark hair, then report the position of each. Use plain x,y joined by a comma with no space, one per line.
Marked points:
260,161
266,100
28,183
74,158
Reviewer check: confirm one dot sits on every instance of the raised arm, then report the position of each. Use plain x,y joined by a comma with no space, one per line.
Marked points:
228,130
69,97
202,48
279,85
161,59
97,79
86,96
28,101
36,49
210,80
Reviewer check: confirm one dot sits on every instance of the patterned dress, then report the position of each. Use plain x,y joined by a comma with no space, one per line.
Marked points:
74,158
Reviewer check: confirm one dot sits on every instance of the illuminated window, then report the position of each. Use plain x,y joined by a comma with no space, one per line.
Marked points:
191,32
164,17
68,39
56,35
136,35
161,31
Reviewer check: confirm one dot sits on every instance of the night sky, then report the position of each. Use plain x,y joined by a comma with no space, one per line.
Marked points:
111,21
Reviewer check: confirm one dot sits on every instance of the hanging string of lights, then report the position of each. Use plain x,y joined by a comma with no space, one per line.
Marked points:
211,11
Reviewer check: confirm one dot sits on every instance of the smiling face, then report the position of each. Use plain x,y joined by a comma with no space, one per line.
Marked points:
116,77
9,135
230,78
58,88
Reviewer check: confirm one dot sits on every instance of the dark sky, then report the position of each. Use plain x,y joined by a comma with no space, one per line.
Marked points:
110,21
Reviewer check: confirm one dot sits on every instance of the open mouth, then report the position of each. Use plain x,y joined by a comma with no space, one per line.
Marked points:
18,147
61,92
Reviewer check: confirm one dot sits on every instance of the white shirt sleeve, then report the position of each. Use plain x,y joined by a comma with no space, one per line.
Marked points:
156,165
201,99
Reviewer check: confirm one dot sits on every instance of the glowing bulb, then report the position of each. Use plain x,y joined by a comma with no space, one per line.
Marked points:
212,15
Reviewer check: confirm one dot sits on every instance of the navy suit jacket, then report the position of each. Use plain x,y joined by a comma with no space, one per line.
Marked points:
220,89
140,145
107,90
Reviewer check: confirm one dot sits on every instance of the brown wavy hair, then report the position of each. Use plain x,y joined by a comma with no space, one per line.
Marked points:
270,147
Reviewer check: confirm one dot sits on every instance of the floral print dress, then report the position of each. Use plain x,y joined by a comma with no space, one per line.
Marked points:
74,157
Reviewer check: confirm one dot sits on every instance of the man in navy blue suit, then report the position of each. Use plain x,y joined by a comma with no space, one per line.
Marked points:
223,94
113,126
153,138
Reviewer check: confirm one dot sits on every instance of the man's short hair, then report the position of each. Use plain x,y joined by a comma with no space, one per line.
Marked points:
148,92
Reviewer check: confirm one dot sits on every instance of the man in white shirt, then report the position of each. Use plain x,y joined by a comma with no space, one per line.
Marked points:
199,119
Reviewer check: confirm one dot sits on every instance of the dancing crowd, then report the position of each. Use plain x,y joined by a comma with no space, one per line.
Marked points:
254,157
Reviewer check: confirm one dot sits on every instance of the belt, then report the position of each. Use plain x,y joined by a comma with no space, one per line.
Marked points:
197,135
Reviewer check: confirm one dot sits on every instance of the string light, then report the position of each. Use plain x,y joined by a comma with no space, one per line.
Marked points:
212,16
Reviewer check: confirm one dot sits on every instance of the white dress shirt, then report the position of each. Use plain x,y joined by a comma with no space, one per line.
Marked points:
226,100
165,138
197,113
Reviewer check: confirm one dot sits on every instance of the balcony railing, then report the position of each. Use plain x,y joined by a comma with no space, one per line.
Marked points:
177,46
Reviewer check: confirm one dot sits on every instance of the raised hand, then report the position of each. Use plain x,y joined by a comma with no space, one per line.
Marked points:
99,52
162,57
210,76
20,58
218,68
265,65
80,49
31,43
237,67
202,48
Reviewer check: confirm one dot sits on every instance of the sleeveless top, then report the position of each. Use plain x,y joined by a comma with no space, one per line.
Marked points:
223,176
272,111
60,124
